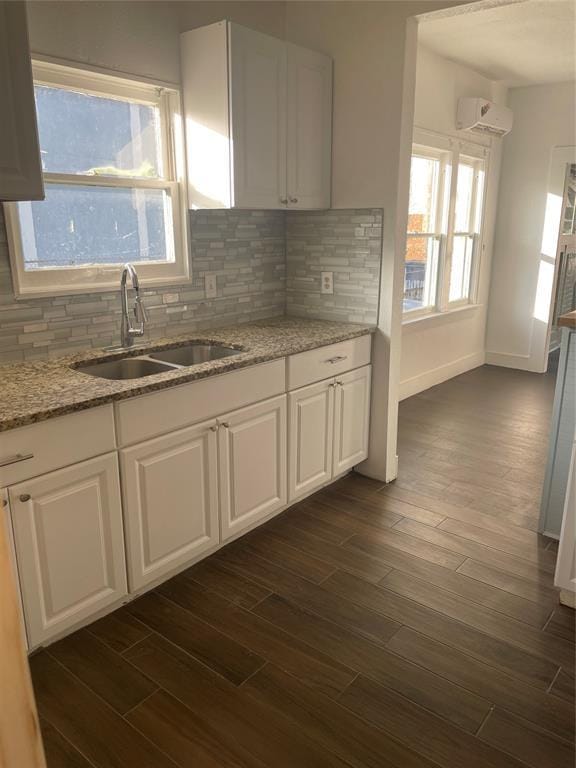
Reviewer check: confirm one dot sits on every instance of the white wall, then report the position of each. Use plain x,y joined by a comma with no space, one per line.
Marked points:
435,349
139,38
544,119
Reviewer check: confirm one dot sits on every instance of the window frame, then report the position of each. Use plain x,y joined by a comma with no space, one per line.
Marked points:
64,281
432,153
449,150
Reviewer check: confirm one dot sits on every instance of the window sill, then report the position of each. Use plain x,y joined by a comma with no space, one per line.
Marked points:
110,286
436,318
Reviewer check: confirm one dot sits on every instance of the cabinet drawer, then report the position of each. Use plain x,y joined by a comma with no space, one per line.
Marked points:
318,364
55,443
162,412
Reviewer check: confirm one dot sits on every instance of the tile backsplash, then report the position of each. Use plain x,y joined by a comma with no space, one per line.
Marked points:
245,249
251,253
347,243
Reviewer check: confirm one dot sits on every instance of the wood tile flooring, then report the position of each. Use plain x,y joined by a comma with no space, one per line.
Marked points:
407,626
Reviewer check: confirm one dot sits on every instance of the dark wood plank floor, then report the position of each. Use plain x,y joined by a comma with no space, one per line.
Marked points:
407,626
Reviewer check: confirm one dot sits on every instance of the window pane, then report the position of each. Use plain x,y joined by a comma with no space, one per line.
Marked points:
424,176
86,134
84,225
461,268
464,189
420,272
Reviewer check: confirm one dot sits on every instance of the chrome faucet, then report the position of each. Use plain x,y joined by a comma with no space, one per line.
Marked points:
128,332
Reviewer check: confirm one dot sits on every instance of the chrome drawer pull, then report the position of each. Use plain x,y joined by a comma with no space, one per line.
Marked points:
336,359
15,459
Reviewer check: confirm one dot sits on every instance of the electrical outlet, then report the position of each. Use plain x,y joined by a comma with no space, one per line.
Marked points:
210,286
327,284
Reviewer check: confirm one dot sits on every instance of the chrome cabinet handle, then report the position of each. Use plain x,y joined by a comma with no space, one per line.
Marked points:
284,200
336,359
339,383
15,459
225,424
293,199
214,428
25,497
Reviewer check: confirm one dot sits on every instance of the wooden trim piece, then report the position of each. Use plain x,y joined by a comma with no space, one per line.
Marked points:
20,739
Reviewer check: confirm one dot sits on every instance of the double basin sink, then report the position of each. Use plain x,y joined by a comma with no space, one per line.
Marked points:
158,362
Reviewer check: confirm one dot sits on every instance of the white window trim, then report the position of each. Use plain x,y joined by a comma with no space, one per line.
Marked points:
64,281
439,146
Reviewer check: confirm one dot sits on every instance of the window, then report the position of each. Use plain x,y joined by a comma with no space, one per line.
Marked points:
444,226
110,151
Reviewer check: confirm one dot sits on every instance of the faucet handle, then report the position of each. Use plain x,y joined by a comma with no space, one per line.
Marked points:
140,311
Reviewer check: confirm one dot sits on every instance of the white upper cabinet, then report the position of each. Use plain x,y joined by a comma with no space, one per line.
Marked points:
258,115
309,135
258,119
20,168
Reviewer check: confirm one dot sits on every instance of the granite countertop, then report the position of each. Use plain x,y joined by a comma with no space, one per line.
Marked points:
36,391
568,320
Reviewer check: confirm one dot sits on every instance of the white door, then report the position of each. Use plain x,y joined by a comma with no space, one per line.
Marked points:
309,136
170,488
351,419
20,169
69,545
258,118
252,452
311,420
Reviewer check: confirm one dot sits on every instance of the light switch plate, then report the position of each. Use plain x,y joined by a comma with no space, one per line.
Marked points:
327,282
210,286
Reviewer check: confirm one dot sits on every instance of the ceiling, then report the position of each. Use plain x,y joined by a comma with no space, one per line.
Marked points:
520,42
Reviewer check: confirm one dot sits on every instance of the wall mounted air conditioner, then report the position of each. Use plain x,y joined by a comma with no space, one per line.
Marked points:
483,116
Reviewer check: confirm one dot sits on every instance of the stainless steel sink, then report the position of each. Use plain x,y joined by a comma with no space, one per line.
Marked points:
158,362
193,354
127,368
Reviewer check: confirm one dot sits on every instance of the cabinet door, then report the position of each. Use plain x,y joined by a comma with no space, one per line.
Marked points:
170,492
252,452
258,118
69,545
309,136
311,414
351,419
20,169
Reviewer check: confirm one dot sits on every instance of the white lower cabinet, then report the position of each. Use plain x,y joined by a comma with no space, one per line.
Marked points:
329,426
170,488
311,436
351,419
69,545
252,453
184,492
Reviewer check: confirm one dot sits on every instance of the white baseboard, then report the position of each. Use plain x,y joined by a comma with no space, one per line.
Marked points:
437,375
508,360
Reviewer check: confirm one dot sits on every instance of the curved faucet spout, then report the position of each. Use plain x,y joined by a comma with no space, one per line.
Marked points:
128,330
